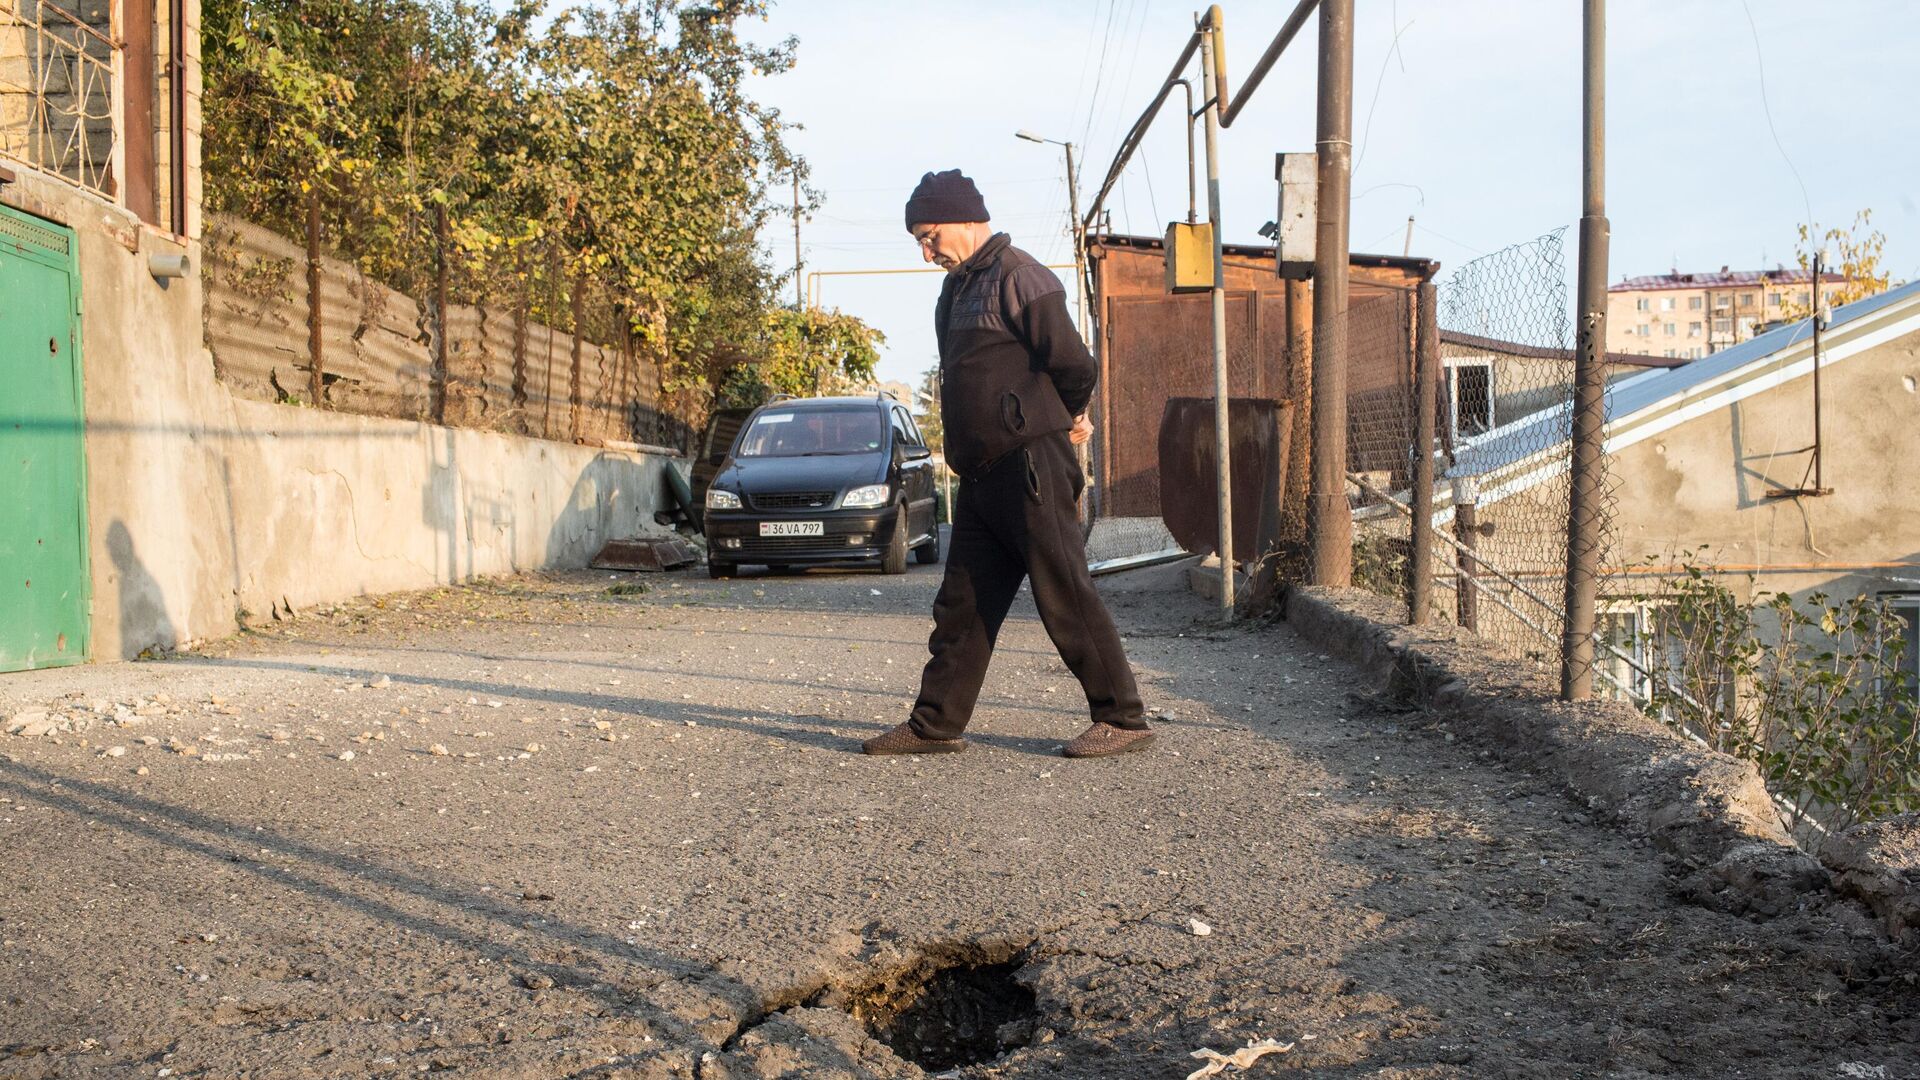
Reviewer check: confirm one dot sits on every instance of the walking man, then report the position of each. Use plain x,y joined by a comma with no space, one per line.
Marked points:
1015,379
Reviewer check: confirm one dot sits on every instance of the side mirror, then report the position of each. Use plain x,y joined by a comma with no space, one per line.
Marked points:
918,453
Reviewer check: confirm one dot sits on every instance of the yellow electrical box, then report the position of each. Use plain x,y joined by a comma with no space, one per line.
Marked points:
1189,257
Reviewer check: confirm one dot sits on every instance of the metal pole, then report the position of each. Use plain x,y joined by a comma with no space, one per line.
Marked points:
1330,521
177,135
1079,244
1818,487
1278,45
1466,529
1589,377
1426,370
1082,451
316,357
574,396
799,286
438,394
1222,464
1193,215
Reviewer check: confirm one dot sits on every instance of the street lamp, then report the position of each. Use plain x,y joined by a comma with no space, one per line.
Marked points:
1079,234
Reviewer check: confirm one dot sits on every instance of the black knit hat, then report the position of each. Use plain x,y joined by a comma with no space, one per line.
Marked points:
944,197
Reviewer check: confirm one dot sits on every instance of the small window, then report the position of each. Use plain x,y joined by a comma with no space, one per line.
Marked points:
1666,303
1693,329
1641,304
902,427
1746,299
1722,326
1694,303
1672,329
1644,329
1470,387
1643,640
1722,301
1773,299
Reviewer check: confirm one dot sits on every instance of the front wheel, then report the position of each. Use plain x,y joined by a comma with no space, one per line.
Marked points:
929,553
895,560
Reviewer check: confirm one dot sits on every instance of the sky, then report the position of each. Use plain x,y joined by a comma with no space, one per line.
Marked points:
1728,124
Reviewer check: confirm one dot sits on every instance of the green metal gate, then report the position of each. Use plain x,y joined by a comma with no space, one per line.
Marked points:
44,582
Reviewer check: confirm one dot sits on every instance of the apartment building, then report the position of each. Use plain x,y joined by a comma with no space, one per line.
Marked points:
1687,316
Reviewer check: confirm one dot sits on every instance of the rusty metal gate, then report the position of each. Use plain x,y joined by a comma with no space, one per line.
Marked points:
43,534
1158,350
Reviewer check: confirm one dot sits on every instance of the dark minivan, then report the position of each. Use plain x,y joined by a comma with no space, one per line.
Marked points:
815,481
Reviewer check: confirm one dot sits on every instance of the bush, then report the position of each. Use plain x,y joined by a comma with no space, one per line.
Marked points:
1815,699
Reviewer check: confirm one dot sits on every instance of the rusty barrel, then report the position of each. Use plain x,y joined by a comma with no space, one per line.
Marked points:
1259,434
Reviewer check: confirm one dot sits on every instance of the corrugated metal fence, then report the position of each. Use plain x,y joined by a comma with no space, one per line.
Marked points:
380,351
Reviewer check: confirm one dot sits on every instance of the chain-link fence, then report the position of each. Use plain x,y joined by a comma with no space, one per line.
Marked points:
1461,428
1153,463
1499,367
1381,439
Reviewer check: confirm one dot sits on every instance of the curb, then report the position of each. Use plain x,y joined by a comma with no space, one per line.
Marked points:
1708,811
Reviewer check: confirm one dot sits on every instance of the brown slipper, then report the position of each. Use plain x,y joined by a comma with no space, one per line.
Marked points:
902,740
1105,740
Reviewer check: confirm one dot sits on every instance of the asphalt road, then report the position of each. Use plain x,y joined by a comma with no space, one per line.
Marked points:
527,828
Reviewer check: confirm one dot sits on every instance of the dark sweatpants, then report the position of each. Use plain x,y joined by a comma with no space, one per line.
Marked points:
1018,521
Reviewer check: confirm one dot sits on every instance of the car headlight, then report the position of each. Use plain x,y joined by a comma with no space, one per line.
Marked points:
722,500
866,497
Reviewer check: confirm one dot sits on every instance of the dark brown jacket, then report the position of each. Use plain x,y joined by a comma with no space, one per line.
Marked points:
1012,366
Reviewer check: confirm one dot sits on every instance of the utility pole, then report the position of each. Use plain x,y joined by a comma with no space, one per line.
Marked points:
1079,244
1329,519
799,289
1222,442
1589,376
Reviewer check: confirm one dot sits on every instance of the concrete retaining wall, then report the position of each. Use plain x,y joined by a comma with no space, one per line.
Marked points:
203,506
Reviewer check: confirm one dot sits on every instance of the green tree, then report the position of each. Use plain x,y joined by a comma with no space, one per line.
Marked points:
613,148
930,424
1855,252
802,353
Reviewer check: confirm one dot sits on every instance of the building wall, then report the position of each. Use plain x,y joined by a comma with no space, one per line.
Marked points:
1704,482
203,507
1740,307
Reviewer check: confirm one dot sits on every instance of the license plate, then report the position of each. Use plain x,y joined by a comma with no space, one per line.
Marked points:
791,528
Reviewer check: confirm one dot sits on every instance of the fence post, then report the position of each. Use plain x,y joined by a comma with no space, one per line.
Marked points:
1300,450
316,357
1589,379
520,337
579,304
1466,529
1426,367
438,393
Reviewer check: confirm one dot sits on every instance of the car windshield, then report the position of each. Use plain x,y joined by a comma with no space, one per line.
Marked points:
800,432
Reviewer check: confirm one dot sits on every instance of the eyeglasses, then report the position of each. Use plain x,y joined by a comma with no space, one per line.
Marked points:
926,239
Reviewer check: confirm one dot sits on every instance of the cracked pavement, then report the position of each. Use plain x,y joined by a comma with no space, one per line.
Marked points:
526,828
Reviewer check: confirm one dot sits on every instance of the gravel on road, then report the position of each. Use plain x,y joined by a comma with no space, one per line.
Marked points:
592,825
